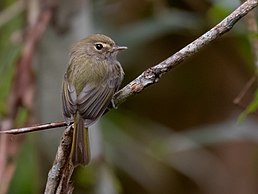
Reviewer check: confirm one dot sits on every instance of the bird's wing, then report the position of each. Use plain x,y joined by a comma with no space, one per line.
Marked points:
93,100
69,100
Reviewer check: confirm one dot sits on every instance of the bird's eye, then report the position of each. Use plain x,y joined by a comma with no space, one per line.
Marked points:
98,46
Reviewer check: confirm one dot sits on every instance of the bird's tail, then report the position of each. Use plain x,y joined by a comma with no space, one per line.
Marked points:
80,152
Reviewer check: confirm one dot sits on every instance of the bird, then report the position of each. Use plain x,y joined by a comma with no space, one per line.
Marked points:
92,78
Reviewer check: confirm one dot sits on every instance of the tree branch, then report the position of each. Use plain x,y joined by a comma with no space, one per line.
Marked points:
153,74
61,170
38,127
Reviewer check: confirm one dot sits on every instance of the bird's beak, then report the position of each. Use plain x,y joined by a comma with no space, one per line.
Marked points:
119,48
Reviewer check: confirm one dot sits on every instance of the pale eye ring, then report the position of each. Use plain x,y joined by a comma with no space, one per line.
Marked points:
98,46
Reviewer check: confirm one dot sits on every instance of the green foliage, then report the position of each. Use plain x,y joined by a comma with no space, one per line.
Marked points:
217,13
85,177
26,177
6,74
9,51
252,107
21,116
5,3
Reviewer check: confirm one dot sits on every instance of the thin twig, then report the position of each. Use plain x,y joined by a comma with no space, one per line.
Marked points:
147,78
244,90
34,128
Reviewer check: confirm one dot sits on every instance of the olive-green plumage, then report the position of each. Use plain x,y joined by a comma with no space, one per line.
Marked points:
92,77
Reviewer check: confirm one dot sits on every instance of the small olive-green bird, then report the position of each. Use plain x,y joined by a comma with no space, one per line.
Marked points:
92,77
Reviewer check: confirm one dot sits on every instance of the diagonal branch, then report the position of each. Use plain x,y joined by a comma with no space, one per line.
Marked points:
58,180
153,74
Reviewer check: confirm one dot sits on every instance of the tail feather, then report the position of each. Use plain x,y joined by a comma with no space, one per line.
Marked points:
80,153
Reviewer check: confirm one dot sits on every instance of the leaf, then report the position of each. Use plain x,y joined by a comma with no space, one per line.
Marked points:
252,107
6,76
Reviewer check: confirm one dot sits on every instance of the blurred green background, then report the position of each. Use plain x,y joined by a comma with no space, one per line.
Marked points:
180,135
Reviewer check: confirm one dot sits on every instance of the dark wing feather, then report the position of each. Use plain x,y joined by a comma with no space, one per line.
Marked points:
103,100
69,99
93,101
